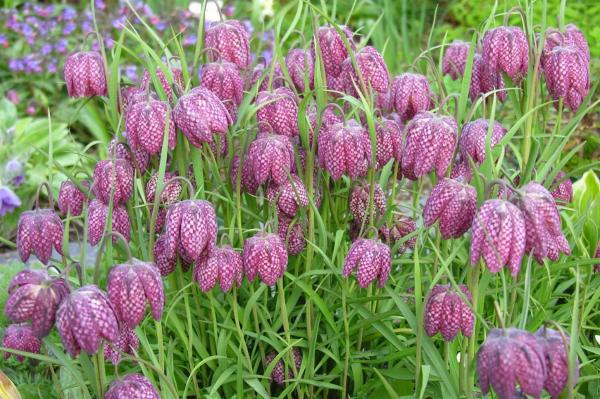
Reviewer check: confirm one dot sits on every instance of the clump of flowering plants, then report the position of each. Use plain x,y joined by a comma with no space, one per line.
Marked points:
305,226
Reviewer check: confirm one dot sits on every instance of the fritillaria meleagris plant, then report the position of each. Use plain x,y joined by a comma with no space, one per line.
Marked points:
131,386
453,203
447,313
555,344
410,94
301,68
398,230
473,137
455,59
270,157
277,112
265,256
20,337
567,73
506,50
224,79
176,77
333,52
359,202
562,188
372,73
223,265
247,181
98,213
371,259
289,197
85,75
113,179
278,374
231,42
137,158
127,342
71,198
291,232
388,141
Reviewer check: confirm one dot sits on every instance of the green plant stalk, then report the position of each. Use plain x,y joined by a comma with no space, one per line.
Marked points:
98,360
470,370
213,316
344,382
160,344
419,315
236,318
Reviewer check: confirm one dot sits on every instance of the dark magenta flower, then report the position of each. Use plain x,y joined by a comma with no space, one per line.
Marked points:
277,112
453,203
170,193
505,50
447,313
509,358
224,79
128,342
301,66
562,188
484,81
20,337
146,122
231,42
247,181
84,318
289,196
97,215
291,233
222,265
455,59
132,386
39,231
268,73
571,36
71,199
472,139
373,71
278,374
359,201
265,256
35,296
372,260
85,75
333,52
498,236
328,117
400,227
270,157
113,178
177,77
137,158
567,73
166,264
557,360
410,94
389,141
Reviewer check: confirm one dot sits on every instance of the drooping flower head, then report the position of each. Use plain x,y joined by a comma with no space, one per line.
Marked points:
222,265
505,50
567,73
562,188
137,157
509,358
410,95
271,75
453,203
373,71
447,313
557,360
359,201
484,81
147,121
20,337
291,233
473,136
113,177
372,260
265,256
277,112
231,42
39,231
333,52
455,59
300,65
224,79
270,157
70,197
166,264
132,386
128,342
177,77
171,191
388,141
97,216
35,296
85,75
289,196
84,319
247,181
571,36
278,374
400,227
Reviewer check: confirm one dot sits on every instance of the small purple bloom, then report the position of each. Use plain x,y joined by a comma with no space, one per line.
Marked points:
14,172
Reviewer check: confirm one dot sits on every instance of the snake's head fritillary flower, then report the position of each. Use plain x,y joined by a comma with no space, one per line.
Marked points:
170,193
557,360
373,71
113,177
271,157
98,213
453,203
247,181
137,157
277,112
545,238
130,286
372,260
230,40
484,81
505,50
132,386
301,66
567,73
200,114
562,188
473,136
128,342
410,95
166,264
84,318
129,95
571,36
272,77
388,141
278,374
35,296
224,79
292,234
85,75
455,59
328,116
509,358
222,265
498,236
289,196
333,51
400,227
39,231
265,256
345,149
190,229
20,337
462,170
146,123
359,201
177,77
447,313
429,145
70,197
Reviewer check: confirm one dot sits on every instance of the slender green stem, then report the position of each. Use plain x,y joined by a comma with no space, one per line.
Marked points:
470,371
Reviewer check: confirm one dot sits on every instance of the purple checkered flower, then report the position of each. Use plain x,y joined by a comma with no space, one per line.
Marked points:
359,201
190,229
557,361
247,181
472,139
20,337
562,188
510,357
571,36
567,73
389,141
231,42
345,149
177,76
292,234
373,71
453,203
498,236
263,71
222,265
85,75
429,145
113,177
278,374
200,114
455,59
277,112
484,81
410,95
270,157
289,196
84,318
265,256
130,285
224,79
170,193
166,264
8,201
146,122
129,95
333,52
39,231
35,296
400,227
372,260
545,238
137,158
128,342
447,313
71,199
329,117
301,65
505,50
132,386
97,215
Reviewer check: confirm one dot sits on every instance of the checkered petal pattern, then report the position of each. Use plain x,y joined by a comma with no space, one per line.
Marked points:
20,337
333,52
571,36
277,112
270,157
292,234
557,362
222,265
472,139
231,42
85,75
484,81
562,188
170,193
447,313
567,73
265,256
453,203
248,182
128,342
146,123
410,95
132,386
262,73
455,59
371,259
70,198
178,82
400,227
373,71
97,214
39,231
278,373
359,201
224,79
137,157
166,265
289,196
389,141
113,177
506,50
301,65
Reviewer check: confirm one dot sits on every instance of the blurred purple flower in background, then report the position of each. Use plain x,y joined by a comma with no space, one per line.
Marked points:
14,173
13,97
8,201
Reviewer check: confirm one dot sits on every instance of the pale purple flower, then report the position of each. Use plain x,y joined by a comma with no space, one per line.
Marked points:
8,201
132,386
20,337
265,255
39,231
453,203
410,94
222,265
372,260
446,313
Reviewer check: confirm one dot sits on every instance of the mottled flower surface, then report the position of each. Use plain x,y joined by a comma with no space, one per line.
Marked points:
35,296
333,52
557,360
132,386
70,197
166,264
345,149
8,201
410,94
371,69
265,255
484,81
190,229
292,234
509,358
147,121
473,136
498,236
171,191
388,141
85,75
289,196
359,201
270,157
84,319
113,178
371,259
222,265
224,79
247,181
278,374
301,68
128,342
20,337
562,188
571,36
97,216
505,50
277,112
447,313
130,286
39,231
400,227
137,158
453,203
455,59
230,40
177,77
567,73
